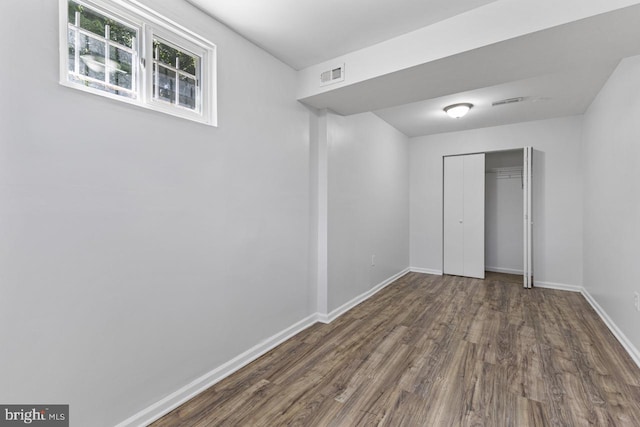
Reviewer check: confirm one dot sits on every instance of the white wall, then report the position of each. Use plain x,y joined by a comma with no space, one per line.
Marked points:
492,23
139,251
503,214
612,197
557,192
368,204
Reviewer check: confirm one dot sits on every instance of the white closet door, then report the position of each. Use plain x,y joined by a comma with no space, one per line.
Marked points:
474,197
453,216
527,220
463,246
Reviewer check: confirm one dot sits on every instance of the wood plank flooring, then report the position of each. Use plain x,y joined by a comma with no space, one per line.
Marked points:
437,351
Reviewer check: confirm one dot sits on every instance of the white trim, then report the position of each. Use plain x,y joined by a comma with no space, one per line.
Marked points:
558,286
425,271
149,14
504,270
622,338
615,330
527,239
328,318
177,398
148,23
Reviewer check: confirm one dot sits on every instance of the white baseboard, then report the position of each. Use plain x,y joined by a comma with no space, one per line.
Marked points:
504,270
177,398
558,286
334,314
621,337
615,330
425,271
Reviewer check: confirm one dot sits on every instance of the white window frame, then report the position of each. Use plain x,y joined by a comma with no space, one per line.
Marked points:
149,25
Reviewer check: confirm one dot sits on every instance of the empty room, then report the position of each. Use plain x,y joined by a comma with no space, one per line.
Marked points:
265,213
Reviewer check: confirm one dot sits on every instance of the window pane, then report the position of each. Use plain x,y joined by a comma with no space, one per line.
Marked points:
164,54
91,57
73,8
95,22
72,12
87,83
105,55
166,84
97,85
188,63
174,57
188,92
71,42
120,67
89,20
121,34
122,93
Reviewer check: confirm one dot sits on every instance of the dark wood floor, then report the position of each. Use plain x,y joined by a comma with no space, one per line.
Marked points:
437,351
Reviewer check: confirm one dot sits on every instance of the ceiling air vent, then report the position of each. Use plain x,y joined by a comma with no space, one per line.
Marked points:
333,75
508,101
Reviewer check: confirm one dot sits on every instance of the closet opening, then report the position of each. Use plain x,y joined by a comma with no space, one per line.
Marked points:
487,214
504,210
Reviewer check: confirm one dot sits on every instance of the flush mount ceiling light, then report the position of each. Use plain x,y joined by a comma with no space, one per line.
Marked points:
456,111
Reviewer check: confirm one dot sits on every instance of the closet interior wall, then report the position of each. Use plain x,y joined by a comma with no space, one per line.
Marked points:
503,212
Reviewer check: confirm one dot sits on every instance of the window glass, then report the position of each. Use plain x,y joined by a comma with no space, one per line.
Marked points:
116,50
100,51
96,23
122,73
175,75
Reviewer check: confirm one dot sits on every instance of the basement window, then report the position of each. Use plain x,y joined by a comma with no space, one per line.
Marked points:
124,51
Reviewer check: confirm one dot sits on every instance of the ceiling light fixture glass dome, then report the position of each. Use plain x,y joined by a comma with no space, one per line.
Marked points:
458,110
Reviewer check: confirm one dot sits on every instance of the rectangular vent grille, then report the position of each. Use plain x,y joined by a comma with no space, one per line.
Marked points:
508,101
333,75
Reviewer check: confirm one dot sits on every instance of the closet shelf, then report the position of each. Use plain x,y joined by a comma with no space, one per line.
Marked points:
506,172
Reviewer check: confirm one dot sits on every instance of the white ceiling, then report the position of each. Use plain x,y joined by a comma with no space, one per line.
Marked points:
559,70
551,95
306,32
